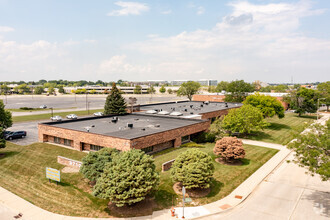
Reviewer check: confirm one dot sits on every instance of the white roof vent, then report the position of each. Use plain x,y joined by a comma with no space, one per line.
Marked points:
163,113
176,113
151,112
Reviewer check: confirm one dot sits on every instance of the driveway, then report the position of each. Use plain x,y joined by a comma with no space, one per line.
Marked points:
32,132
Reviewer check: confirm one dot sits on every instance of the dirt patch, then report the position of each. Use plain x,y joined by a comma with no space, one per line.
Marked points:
70,170
193,193
142,208
233,163
2,155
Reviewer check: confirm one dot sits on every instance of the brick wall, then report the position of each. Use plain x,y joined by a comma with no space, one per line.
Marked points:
44,131
211,98
167,165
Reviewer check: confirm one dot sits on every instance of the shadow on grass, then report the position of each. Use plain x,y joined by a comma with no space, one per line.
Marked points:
215,187
165,198
277,126
7,154
258,135
307,116
245,162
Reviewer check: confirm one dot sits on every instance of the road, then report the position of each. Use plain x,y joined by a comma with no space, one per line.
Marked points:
77,101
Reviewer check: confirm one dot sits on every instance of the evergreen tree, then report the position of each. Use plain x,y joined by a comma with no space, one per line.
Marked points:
128,179
115,103
5,122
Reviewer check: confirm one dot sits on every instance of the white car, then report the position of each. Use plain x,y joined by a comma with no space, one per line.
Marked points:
98,114
43,106
56,118
72,116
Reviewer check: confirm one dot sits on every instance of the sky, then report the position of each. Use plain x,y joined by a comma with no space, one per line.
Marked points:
274,41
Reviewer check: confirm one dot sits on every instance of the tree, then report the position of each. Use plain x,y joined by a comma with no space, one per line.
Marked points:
244,120
38,90
324,89
137,89
216,128
237,91
115,102
268,105
303,100
312,150
222,86
188,89
5,117
281,88
151,90
4,89
2,139
128,179
193,168
51,90
162,89
93,164
230,149
170,91
61,89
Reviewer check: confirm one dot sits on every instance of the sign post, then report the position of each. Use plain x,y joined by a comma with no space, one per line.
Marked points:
53,174
183,199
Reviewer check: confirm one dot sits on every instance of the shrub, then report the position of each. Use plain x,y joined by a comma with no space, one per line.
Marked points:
204,137
229,148
193,168
26,108
192,144
93,164
128,178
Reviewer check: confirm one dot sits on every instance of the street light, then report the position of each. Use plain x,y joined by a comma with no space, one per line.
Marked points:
51,108
88,107
318,106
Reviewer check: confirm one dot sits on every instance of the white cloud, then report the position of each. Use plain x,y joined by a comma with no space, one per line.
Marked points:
200,10
166,12
129,8
6,29
261,41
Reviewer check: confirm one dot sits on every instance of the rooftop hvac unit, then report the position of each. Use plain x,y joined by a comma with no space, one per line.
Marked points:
185,110
226,104
114,120
202,105
151,112
191,106
176,113
191,113
163,113
130,125
143,129
157,125
206,102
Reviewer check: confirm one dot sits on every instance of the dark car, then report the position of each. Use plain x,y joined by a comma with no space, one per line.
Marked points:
15,134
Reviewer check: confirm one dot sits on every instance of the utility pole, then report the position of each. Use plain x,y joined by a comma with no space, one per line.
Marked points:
86,102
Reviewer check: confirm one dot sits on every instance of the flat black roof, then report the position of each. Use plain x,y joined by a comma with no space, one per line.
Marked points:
143,125
189,107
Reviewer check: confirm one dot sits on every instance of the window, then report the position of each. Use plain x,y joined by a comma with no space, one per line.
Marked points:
67,142
95,147
185,139
148,149
57,140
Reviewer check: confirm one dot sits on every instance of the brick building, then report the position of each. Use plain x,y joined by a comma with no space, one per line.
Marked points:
149,133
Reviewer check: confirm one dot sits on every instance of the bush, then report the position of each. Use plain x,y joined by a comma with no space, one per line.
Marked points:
192,144
193,168
93,164
229,148
204,137
26,108
128,178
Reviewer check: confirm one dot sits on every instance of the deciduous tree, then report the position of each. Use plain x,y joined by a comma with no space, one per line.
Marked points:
268,105
193,168
128,179
238,90
244,120
230,149
162,89
188,89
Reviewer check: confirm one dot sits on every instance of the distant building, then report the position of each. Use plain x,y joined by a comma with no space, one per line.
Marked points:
203,82
103,89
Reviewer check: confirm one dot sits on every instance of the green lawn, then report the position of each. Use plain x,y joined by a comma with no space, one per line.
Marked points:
282,131
48,115
23,173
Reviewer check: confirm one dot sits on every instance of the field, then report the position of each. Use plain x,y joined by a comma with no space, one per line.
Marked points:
47,116
282,131
23,173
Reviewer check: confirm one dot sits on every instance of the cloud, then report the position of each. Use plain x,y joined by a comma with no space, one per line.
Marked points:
200,10
254,41
129,8
6,29
166,12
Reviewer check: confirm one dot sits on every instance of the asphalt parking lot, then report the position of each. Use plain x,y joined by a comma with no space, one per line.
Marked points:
32,132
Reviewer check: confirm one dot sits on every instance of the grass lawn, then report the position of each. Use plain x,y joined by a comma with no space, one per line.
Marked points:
48,115
23,173
281,131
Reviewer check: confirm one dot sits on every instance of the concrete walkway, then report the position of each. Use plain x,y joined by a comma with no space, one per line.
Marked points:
15,204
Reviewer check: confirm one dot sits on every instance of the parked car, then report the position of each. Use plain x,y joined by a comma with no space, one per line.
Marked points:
98,114
56,118
15,134
72,116
43,106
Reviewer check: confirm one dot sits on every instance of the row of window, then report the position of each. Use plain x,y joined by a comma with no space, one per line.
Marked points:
95,147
